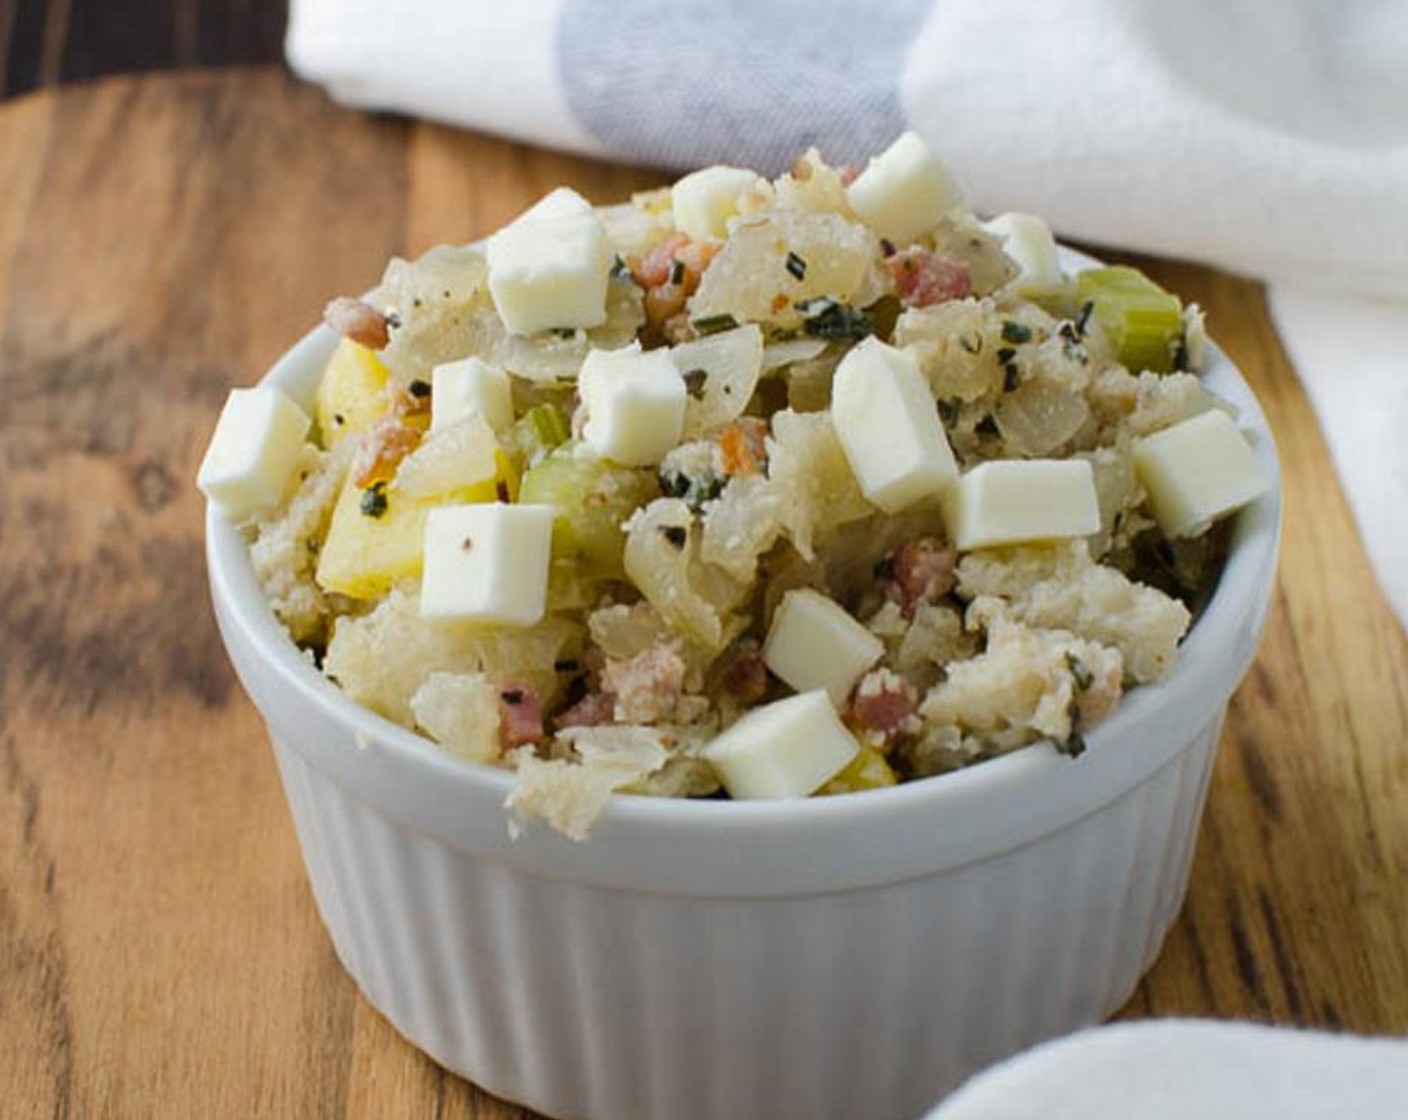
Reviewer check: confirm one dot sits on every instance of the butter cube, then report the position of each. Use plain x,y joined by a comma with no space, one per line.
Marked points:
1028,241
889,427
786,749
253,453
813,643
550,268
558,203
703,201
635,402
1196,471
1011,501
487,563
467,388
904,191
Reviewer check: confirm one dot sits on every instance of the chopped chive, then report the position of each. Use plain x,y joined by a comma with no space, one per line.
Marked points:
674,534
1083,319
713,324
828,318
1082,676
373,502
1016,332
1073,746
796,266
420,389
620,270
1010,378
694,382
1006,354
677,272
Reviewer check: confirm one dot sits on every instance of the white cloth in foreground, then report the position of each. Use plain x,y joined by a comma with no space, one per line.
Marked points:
1266,136
1178,1069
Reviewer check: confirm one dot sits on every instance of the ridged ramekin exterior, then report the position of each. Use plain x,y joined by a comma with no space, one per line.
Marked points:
587,1001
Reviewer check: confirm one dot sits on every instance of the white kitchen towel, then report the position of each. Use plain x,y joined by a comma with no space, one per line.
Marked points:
1269,137
1182,1069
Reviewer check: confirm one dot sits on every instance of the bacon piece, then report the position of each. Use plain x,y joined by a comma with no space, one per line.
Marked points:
520,716
655,267
918,572
744,446
648,687
384,445
591,710
885,703
359,321
744,674
669,275
924,278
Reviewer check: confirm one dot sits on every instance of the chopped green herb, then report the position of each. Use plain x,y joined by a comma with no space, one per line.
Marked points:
987,426
1010,378
1005,354
694,492
1083,319
694,382
674,534
419,388
677,272
971,342
1073,746
1015,332
713,324
948,410
828,318
796,266
393,320
620,270
374,500
1079,673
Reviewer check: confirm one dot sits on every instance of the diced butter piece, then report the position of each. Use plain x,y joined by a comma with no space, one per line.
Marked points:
487,563
904,191
466,388
1196,471
813,643
1028,241
550,268
1009,501
703,201
253,453
786,749
889,427
635,402
557,203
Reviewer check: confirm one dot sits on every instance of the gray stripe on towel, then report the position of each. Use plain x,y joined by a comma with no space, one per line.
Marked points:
751,83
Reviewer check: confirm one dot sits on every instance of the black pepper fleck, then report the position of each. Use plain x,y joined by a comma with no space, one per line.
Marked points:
675,534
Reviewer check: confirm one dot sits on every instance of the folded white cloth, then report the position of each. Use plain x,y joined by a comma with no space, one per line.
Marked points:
1177,1069
1266,136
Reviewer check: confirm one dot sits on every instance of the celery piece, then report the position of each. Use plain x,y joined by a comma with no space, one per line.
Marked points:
1143,322
593,497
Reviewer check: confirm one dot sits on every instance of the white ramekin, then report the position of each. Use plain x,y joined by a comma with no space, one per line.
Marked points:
844,957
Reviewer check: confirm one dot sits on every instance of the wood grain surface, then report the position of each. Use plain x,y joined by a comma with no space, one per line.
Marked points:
163,239
45,42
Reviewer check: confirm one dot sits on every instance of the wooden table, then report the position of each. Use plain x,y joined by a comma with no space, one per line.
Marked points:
162,240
